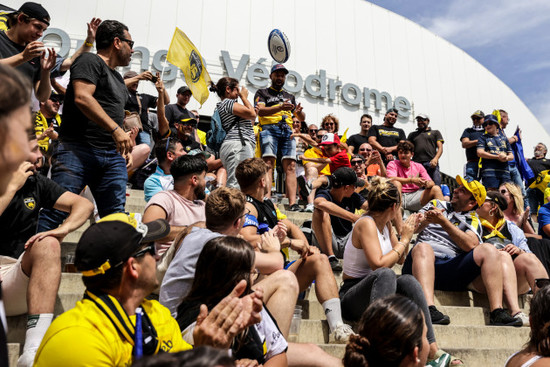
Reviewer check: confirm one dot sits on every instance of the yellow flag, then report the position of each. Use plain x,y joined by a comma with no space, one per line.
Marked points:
497,114
183,54
344,137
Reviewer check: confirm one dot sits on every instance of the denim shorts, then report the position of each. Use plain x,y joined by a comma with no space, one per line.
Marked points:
275,141
493,178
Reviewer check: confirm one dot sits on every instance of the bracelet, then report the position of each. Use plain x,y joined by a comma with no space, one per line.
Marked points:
402,244
290,242
89,44
397,252
112,131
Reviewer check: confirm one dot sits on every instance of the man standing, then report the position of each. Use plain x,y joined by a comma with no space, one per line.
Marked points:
30,263
141,102
538,164
275,110
469,140
178,112
385,137
93,147
428,147
515,176
355,141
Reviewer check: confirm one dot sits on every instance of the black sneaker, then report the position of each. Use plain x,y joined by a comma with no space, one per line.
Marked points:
499,317
305,189
295,208
334,264
438,317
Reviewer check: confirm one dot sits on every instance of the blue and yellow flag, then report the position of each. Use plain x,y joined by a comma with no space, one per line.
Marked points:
183,54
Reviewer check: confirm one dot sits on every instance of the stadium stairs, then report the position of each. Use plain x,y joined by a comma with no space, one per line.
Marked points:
469,335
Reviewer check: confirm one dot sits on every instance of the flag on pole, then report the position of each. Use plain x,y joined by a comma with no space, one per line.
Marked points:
183,54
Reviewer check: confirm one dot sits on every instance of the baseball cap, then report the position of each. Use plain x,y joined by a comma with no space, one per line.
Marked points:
344,176
278,67
478,113
423,116
56,97
130,74
490,119
330,138
498,199
183,89
357,156
475,187
35,10
109,242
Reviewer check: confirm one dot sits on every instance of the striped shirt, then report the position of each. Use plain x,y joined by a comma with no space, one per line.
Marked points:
234,126
439,239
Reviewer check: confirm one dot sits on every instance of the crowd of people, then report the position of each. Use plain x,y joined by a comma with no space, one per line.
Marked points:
212,243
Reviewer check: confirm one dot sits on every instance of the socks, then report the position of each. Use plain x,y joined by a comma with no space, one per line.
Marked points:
333,313
36,328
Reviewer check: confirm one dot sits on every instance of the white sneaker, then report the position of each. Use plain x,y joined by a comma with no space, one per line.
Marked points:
309,208
341,334
27,358
523,317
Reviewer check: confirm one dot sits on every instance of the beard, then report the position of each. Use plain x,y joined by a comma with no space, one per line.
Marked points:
199,192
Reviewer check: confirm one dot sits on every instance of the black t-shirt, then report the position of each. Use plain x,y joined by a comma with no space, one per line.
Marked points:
110,93
342,227
190,144
356,141
425,144
537,166
9,48
18,221
271,97
175,113
470,133
147,101
387,136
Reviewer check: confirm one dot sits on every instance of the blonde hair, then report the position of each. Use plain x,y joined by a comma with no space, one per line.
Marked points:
382,194
516,195
331,117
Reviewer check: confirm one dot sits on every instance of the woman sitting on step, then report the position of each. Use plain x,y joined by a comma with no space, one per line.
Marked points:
370,253
537,350
392,332
507,237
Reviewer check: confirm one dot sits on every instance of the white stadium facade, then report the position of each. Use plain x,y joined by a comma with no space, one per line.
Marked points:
349,57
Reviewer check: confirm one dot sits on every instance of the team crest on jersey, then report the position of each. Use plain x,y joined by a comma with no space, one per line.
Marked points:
196,66
30,203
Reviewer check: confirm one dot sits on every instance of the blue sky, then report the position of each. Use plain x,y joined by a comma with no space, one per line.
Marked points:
510,38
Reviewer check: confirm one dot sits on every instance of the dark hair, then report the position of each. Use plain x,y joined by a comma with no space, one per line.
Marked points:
365,115
389,330
405,146
106,33
222,84
392,109
249,171
223,207
382,194
223,262
539,340
188,165
202,356
14,94
161,151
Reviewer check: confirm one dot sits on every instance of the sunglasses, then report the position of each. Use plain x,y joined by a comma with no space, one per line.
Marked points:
356,163
320,136
130,42
476,118
150,248
167,145
329,123
542,282
365,150
313,131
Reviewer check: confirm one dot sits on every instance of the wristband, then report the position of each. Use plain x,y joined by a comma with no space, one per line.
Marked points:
397,252
89,44
112,131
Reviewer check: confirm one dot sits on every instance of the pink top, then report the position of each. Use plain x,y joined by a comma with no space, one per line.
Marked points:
396,169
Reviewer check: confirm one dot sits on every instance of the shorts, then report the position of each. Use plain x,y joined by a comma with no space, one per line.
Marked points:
275,141
411,200
451,274
338,244
14,285
493,179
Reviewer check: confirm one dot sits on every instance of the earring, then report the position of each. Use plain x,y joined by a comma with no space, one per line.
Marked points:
418,360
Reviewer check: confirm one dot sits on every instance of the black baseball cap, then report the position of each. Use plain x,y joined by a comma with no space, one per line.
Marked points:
184,89
111,241
35,10
344,176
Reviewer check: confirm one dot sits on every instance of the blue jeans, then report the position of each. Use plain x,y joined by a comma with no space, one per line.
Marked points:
471,170
275,141
75,166
536,199
433,172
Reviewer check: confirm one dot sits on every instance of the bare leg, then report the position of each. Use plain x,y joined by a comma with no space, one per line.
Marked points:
280,294
316,267
289,167
423,269
305,355
270,161
322,228
528,268
433,193
488,259
221,176
509,282
140,153
398,219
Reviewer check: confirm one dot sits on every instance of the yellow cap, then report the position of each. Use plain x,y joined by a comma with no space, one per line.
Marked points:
475,187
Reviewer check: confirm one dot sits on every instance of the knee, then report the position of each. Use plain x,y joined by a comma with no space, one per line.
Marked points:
48,246
285,279
486,250
423,250
407,281
436,190
290,166
397,184
385,274
319,261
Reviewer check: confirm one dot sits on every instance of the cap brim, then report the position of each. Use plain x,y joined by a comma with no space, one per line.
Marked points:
462,182
156,230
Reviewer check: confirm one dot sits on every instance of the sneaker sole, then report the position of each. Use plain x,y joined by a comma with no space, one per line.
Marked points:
443,321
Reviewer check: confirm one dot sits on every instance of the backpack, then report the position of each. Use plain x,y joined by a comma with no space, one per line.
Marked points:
216,135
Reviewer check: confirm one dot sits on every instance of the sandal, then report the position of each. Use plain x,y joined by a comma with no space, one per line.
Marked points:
451,361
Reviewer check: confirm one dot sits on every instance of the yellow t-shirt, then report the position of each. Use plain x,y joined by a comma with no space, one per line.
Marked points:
316,153
84,336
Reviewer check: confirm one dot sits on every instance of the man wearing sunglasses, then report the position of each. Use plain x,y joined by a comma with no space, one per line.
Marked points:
117,259
495,152
469,140
94,148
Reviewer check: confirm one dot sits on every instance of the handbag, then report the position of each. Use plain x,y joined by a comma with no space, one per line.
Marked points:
133,119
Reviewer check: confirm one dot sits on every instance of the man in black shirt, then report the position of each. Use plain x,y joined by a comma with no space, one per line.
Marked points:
469,140
538,164
31,268
385,137
355,141
93,146
177,112
334,214
428,147
141,102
